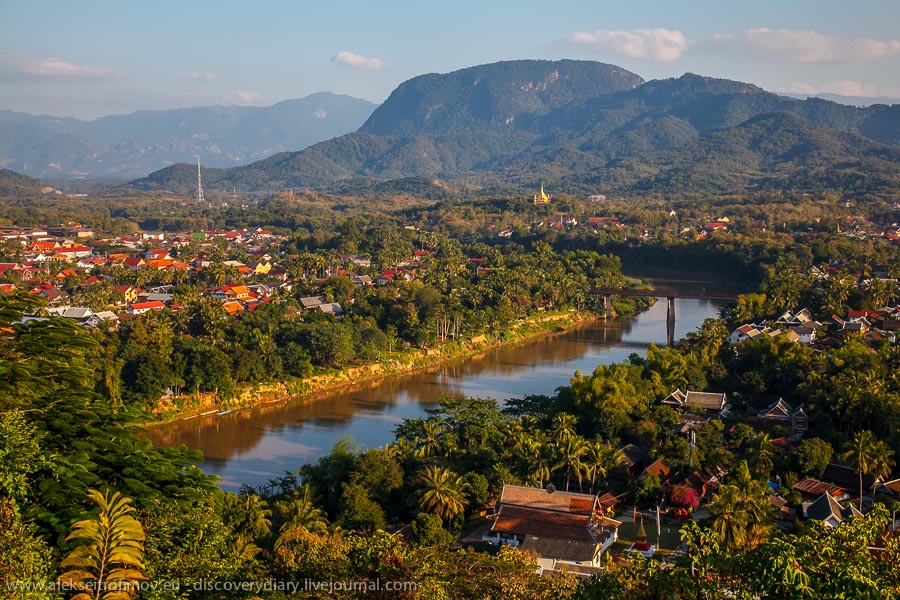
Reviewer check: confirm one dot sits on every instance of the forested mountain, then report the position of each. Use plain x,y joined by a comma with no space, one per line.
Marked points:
583,126
141,142
14,184
493,96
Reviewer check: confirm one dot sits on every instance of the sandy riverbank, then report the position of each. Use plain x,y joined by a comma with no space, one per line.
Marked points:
170,409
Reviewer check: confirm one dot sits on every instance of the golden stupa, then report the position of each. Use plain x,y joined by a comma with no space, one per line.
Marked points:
542,198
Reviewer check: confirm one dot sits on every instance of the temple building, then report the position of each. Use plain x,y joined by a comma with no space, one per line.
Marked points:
542,198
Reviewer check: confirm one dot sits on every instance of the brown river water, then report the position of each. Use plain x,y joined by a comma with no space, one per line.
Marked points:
250,446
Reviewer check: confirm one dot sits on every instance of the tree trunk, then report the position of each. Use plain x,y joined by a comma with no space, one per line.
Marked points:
860,490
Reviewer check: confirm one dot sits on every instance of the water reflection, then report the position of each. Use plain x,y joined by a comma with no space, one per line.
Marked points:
251,446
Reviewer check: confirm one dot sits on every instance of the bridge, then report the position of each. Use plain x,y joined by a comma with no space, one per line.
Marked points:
669,294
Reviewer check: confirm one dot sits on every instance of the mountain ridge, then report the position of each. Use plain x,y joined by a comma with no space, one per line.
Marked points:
140,142
550,125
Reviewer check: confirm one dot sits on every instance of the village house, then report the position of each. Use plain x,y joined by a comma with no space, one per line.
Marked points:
781,413
708,402
563,529
828,510
139,308
312,302
813,488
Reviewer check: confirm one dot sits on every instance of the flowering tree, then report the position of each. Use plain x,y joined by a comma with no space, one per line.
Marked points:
683,496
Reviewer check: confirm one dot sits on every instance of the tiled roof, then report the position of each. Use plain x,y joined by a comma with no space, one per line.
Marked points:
540,498
825,508
705,400
658,468
814,487
845,477
542,523
561,549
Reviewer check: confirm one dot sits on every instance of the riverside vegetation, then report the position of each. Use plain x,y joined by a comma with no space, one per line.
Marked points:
69,442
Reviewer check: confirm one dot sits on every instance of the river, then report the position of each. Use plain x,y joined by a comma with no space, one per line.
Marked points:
250,446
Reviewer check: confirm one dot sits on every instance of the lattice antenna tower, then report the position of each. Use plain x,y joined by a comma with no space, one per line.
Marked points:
199,182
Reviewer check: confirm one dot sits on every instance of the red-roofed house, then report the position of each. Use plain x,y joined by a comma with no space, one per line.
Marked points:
562,528
75,252
134,263
139,308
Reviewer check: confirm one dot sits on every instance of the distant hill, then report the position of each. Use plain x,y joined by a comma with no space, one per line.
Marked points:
14,184
133,145
849,100
585,126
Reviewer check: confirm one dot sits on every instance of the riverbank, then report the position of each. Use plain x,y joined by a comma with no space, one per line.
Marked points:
172,409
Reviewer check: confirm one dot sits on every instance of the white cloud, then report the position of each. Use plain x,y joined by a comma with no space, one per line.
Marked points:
355,61
207,76
51,69
245,97
641,44
801,46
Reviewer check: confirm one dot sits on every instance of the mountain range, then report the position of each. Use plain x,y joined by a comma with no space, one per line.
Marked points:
135,144
583,127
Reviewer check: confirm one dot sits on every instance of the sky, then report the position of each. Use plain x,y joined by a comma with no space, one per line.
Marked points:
95,57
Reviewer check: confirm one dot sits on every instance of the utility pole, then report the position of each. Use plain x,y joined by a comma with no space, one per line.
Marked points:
199,182
692,437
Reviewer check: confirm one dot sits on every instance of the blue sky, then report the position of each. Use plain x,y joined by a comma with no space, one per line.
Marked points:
93,58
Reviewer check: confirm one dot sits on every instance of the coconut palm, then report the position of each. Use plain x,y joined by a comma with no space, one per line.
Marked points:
742,511
442,493
569,457
868,455
300,513
429,440
762,454
563,427
536,457
731,519
600,459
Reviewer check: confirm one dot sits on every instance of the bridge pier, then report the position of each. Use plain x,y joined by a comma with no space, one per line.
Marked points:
668,293
670,321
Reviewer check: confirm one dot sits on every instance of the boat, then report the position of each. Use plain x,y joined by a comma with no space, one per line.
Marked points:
224,412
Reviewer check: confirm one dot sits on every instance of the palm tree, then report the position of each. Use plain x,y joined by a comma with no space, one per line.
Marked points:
536,458
563,427
256,513
600,459
428,442
300,514
569,457
763,451
882,464
868,455
731,519
442,493
742,511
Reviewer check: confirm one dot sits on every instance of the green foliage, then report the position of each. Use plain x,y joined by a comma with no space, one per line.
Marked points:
428,530
812,456
21,455
189,541
24,556
107,562
648,491
358,511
